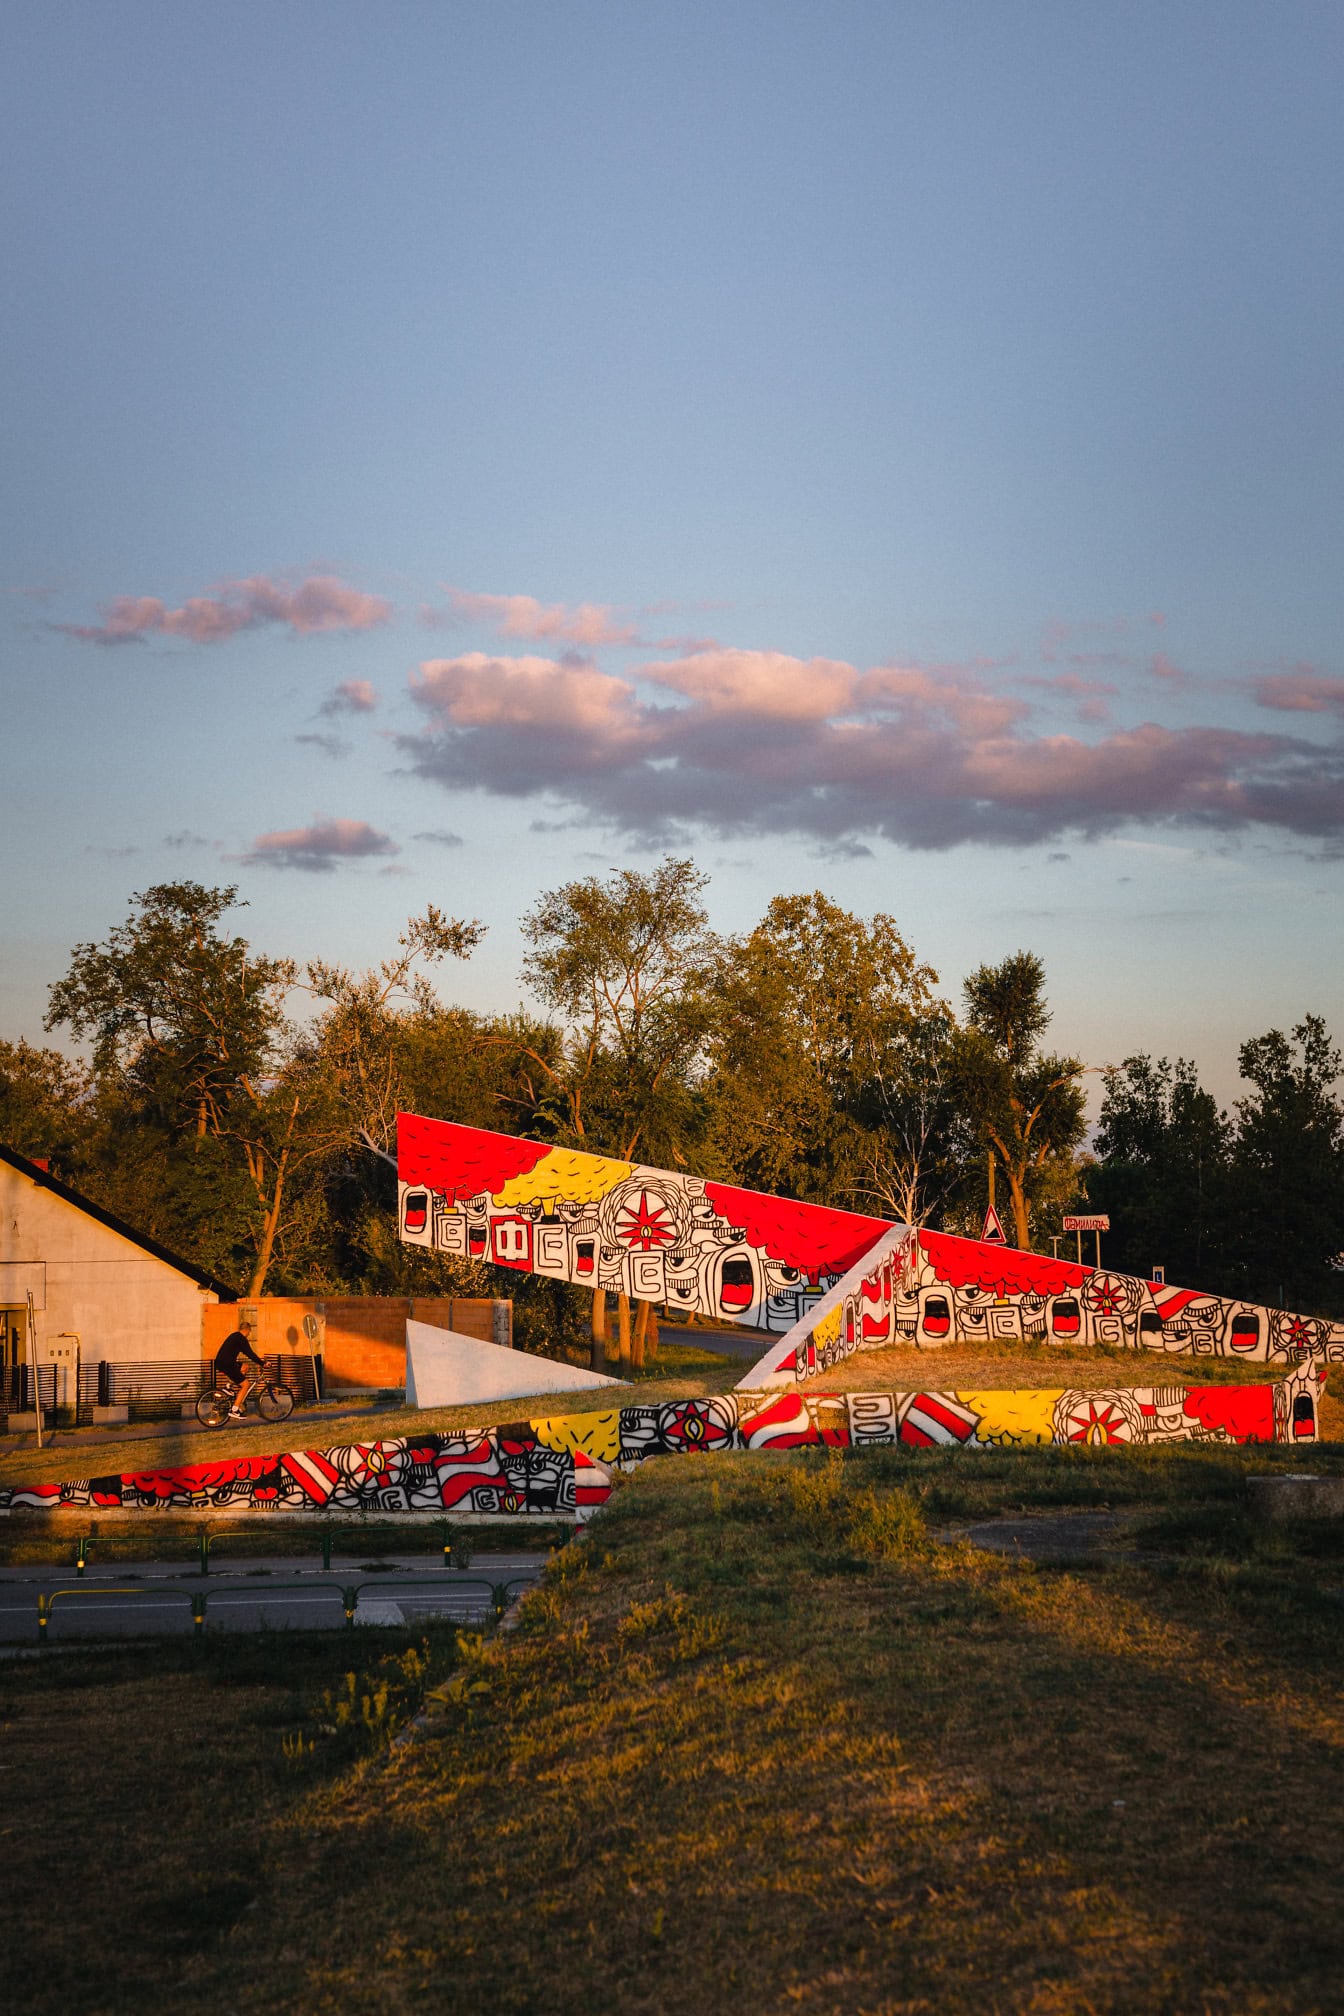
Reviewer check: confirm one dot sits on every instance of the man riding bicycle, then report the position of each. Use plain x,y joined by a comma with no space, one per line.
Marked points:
230,1362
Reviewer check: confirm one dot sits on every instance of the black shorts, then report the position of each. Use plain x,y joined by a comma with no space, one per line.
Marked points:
236,1368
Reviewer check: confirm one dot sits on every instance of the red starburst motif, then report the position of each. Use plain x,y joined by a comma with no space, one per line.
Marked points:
1098,1424
1300,1335
644,1225
1104,1295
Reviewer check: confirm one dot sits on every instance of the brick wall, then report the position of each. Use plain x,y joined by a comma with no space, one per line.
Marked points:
361,1338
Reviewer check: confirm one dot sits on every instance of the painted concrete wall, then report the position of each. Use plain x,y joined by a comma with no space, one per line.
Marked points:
117,1299
560,1467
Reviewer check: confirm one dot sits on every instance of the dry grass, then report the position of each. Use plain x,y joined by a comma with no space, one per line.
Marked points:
758,1744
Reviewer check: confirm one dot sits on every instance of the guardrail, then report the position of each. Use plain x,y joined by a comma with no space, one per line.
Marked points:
348,1592
84,1541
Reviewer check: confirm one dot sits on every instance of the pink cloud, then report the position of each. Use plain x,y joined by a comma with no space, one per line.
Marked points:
1161,667
588,624
1301,691
763,683
317,848
762,742
318,604
352,696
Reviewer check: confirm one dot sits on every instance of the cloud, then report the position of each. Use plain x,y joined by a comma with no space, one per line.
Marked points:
589,624
1301,691
439,836
330,745
1090,694
318,604
352,696
186,838
760,742
317,848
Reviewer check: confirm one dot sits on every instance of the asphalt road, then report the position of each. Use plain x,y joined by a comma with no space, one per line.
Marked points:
148,1598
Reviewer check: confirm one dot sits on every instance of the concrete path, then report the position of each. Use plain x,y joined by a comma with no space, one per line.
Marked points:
152,1598
1047,1536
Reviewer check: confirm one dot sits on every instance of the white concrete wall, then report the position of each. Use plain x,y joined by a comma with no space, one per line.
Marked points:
120,1301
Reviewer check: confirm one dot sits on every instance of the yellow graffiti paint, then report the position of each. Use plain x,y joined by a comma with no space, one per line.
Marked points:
828,1330
564,1177
598,1435
1026,1415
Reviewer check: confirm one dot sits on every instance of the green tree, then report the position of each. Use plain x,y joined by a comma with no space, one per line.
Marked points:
826,1058
178,1011
1288,1168
1026,1106
45,1104
1163,1152
624,962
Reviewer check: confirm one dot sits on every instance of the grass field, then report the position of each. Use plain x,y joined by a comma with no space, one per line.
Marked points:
760,1742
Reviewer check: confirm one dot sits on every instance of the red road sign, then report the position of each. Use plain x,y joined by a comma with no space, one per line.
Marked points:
993,1234
1098,1222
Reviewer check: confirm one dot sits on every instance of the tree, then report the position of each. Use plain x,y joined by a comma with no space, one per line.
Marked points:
192,1042
357,1041
189,1037
44,1104
624,962
1288,1168
179,1012
1162,1173
825,1057
1027,1107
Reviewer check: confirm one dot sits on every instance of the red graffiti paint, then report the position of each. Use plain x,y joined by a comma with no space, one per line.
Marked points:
810,1237
998,1270
1246,1413
461,1161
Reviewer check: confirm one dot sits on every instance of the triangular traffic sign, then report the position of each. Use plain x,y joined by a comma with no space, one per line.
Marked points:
993,1234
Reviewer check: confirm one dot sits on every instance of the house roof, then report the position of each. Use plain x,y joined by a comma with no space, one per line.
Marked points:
44,1180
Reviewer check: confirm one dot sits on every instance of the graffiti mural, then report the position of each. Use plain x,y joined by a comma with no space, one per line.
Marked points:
560,1469
708,1248
825,1282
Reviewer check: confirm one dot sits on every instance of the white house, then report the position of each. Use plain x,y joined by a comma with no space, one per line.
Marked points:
99,1288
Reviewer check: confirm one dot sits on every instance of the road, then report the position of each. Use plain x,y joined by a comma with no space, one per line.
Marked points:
152,1598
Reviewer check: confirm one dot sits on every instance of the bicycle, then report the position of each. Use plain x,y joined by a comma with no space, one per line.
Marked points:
274,1403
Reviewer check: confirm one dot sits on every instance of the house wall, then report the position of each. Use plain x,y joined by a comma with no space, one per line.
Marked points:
362,1338
117,1299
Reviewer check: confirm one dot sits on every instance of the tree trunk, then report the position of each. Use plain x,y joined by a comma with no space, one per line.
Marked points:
598,1358
623,1328
1021,1226
651,1335
643,1312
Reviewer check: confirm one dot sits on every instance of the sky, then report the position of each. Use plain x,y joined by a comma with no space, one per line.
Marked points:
891,449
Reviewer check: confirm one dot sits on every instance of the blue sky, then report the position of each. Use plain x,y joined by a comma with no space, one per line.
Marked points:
890,448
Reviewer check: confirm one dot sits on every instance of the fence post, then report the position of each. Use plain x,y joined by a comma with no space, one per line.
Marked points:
350,1598
198,1613
42,1613
326,1550
205,1550
81,1552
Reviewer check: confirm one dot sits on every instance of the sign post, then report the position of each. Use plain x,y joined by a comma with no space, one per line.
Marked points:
311,1329
1096,1221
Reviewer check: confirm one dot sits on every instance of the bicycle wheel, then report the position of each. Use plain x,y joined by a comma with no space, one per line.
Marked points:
274,1403
212,1409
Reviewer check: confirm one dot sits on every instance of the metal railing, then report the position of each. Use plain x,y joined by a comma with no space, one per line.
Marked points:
146,1387
497,1597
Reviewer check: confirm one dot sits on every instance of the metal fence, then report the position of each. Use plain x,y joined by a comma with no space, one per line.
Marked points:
152,1389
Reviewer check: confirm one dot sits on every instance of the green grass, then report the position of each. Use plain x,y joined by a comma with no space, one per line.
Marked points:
758,1743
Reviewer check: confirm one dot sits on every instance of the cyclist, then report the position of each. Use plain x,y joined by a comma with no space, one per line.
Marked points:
230,1361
